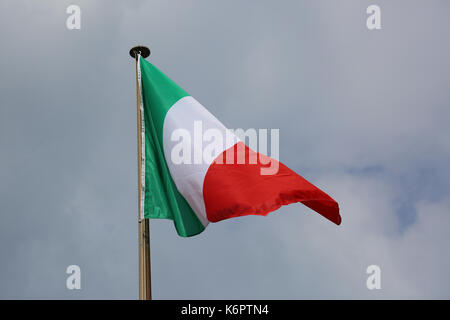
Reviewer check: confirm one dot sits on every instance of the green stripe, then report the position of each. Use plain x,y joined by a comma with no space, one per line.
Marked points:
161,93
162,199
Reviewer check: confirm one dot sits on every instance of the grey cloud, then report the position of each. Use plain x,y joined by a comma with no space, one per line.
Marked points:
361,114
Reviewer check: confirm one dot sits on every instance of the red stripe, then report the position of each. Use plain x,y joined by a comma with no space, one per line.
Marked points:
233,190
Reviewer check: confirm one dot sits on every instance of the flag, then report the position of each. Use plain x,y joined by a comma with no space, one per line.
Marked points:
193,182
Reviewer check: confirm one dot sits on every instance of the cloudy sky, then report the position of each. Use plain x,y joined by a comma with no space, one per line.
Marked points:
362,114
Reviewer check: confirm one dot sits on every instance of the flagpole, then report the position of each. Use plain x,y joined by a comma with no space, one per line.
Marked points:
145,288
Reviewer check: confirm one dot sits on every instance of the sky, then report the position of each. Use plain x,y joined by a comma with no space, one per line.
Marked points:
363,114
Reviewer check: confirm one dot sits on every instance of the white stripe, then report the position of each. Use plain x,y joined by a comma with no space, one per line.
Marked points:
189,177
142,146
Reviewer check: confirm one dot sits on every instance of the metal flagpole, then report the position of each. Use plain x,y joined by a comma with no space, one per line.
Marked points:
145,288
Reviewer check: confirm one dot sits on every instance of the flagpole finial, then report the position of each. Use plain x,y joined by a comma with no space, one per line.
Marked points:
142,50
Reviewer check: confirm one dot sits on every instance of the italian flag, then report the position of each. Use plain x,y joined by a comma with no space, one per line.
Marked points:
227,183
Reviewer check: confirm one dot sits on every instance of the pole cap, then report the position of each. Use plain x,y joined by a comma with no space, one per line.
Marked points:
144,51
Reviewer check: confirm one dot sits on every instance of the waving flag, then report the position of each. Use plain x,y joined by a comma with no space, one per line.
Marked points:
192,187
